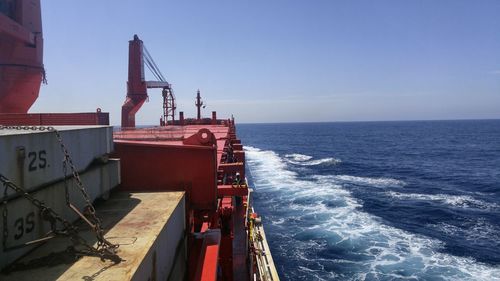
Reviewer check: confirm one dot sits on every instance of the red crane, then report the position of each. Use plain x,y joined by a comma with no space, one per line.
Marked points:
137,85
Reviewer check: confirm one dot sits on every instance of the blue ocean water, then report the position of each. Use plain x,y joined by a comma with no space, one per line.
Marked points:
379,200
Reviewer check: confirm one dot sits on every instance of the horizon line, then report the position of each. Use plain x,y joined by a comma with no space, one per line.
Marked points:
367,121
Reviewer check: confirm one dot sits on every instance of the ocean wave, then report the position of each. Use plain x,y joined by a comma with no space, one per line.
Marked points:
477,231
329,160
458,201
298,157
252,149
306,160
379,182
316,235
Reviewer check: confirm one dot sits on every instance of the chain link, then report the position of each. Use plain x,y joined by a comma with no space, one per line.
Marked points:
104,249
47,213
5,214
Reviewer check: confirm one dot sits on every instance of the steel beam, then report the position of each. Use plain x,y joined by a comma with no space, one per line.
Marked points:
209,256
230,190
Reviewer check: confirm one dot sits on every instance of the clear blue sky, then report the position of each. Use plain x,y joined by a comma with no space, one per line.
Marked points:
280,61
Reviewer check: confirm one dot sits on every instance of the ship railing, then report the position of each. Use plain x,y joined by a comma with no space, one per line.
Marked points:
261,255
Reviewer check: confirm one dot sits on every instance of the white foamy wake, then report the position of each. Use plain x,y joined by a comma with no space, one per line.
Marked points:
459,201
298,157
318,216
477,231
379,182
306,160
329,160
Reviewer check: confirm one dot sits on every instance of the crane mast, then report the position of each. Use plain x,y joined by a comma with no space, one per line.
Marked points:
137,85
168,106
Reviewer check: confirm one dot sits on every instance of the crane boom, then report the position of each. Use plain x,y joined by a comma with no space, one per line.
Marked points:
157,84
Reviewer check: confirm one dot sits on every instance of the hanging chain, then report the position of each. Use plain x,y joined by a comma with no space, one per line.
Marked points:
47,213
102,244
104,249
5,214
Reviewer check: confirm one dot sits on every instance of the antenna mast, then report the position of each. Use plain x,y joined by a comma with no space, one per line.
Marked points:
199,104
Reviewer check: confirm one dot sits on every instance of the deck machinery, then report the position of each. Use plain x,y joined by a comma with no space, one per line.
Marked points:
172,201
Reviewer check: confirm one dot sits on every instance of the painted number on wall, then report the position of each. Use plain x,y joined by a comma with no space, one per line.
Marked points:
24,225
37,160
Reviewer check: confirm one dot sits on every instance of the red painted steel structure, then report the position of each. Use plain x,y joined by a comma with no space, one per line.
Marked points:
22,71
207,162
137,87
21,55
137,92
54,119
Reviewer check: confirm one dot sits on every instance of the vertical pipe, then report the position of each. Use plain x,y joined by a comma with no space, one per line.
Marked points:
181,118
214,117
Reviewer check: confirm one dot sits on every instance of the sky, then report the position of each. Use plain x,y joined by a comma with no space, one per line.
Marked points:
279,60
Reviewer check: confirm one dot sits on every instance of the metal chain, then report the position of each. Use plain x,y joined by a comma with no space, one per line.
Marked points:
5,214
104,249
46,212
103,245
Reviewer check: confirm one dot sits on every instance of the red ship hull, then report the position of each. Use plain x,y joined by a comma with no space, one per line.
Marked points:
24,82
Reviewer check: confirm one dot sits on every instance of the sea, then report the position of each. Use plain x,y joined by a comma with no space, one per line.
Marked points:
412,200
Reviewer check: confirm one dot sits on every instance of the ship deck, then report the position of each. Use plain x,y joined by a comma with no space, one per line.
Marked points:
149,227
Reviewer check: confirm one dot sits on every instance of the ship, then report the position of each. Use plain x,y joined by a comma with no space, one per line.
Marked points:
82,200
